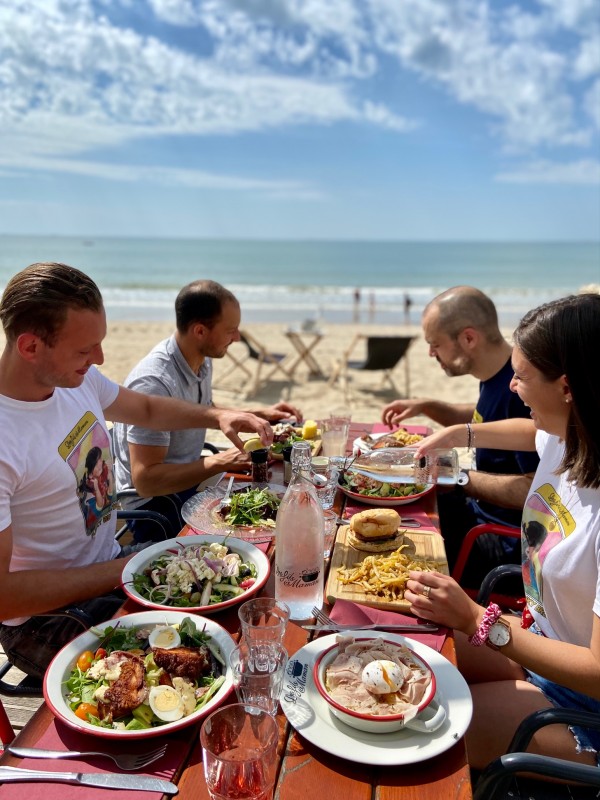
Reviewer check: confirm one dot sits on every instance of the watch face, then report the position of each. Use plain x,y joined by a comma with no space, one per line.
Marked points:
499,634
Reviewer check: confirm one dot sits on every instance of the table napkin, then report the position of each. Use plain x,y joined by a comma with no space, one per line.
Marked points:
59,737
348,613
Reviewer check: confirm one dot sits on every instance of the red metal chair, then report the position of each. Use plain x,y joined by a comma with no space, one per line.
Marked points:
503,600
7,733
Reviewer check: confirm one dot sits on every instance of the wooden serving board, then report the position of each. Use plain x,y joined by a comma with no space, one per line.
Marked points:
421,544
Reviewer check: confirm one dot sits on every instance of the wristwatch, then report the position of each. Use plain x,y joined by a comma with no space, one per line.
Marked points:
499,635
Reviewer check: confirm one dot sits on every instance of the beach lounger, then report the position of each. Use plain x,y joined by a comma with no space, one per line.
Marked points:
248,383
383,354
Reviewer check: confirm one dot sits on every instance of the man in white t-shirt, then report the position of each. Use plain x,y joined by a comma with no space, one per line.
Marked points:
57,498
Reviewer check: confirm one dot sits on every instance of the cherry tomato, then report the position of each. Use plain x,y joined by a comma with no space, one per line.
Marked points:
100,653
246,584
83,709
84,662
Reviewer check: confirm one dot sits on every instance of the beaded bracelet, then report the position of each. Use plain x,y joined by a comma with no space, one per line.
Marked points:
470,437
492,614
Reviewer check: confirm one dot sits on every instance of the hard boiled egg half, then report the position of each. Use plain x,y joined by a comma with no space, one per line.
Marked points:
166,703
164,636
382,677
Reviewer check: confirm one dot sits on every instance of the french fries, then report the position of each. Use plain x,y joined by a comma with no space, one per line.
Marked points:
384,575
405,438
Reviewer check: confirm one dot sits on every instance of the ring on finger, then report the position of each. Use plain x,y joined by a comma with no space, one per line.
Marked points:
426,591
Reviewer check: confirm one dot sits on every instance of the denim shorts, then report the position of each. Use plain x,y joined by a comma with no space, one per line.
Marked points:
561,697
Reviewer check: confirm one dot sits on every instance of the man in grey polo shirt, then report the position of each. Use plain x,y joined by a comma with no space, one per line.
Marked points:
166,467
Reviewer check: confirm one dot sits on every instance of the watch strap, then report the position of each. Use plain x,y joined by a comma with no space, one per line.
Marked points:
492,613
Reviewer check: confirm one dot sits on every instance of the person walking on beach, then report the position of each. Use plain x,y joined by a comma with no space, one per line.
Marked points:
165,467
461,327
356,314
407,306
53,409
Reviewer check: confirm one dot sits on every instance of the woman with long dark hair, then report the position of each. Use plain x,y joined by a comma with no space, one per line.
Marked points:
551,657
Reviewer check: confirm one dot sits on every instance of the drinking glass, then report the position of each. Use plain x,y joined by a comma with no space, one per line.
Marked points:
239,747
263,619
334,431
330,526
258,673
326,493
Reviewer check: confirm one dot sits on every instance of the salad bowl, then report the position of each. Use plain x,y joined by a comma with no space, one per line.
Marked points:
224,591
355,486
66,667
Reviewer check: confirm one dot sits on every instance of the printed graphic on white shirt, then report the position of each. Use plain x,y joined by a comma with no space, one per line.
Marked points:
546,523
87,451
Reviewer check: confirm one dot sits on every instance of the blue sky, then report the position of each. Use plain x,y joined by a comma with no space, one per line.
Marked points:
392,119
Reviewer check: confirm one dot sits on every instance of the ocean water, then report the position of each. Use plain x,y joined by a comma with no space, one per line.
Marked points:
293,281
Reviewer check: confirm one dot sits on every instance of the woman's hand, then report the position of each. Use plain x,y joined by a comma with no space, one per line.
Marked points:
439,598
454,436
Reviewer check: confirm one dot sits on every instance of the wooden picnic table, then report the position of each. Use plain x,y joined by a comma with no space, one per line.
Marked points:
304,769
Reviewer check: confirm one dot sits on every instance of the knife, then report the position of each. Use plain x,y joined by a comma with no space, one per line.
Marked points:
102,780
374,627
412,523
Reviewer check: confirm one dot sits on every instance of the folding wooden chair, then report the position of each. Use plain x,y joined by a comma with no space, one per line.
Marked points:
263,357
383,353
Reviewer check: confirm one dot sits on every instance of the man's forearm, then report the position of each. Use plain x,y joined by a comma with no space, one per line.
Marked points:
170,478
508,491
32,592
448,413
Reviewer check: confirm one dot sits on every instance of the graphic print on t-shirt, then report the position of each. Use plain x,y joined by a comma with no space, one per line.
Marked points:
87,451
546,522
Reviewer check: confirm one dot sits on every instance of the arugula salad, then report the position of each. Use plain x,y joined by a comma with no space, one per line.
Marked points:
369,487
196,575
141,677
251,507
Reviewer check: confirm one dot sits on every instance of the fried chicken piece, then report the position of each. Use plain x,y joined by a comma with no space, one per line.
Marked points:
127,692
184,662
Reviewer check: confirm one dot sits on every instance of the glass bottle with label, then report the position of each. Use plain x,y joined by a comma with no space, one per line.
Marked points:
299,540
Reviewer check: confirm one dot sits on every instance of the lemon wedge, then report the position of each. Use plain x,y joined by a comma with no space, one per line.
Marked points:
253,444
309,429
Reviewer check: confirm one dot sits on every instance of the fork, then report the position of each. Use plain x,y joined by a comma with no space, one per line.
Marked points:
323,619
125,761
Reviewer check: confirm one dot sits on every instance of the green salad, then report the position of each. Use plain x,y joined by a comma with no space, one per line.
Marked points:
196,575
251,507
369,487
144,676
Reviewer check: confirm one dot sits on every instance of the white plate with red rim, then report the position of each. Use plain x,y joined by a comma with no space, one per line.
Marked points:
55,692
246,551
359,445
311,715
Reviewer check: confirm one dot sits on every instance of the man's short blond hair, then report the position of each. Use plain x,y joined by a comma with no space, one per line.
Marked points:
37,300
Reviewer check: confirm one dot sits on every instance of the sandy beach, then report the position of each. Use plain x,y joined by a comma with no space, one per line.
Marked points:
126,343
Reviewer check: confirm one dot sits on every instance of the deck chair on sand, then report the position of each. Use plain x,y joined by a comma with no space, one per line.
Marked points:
249,382
383,354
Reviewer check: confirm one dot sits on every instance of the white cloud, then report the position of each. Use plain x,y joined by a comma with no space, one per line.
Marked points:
582,173
171,176
72,82
467,47
592,103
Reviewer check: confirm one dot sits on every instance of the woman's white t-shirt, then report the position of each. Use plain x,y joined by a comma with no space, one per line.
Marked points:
561,549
